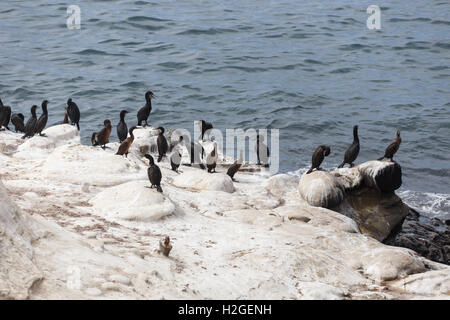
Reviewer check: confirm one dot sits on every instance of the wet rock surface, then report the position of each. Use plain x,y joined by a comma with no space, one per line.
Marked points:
428,237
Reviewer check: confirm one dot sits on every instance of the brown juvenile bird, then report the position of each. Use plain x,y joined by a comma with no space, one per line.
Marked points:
235,167
101,138
319,154
126,144
165,246
392,148
66,117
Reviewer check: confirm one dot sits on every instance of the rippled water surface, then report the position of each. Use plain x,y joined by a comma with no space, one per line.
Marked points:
310,68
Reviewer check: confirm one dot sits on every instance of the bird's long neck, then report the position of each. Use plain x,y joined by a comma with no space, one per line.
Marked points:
355,134
131,135
33,113
44,109
1,103
122,117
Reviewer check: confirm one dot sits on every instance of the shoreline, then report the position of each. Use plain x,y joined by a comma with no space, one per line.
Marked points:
251,239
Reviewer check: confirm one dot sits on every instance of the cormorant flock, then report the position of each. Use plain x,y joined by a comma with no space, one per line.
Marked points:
101,138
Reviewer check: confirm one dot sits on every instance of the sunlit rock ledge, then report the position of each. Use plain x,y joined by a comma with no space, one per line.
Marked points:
77,222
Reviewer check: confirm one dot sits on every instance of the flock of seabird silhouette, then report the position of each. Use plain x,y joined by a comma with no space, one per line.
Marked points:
36,125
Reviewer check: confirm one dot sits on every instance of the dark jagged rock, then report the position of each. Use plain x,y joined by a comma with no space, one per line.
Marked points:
428,237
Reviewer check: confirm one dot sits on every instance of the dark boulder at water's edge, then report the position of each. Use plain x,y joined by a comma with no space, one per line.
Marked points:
428,237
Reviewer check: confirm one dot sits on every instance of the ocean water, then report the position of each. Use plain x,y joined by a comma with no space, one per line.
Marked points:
309,68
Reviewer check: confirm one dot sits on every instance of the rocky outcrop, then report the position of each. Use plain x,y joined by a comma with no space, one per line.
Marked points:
327,189
99,230
363,193
18,272
428,237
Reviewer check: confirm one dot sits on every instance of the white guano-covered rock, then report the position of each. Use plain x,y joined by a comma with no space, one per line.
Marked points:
84,164
133,201
200,180
389,263
40,147
321,189
280,184
18,271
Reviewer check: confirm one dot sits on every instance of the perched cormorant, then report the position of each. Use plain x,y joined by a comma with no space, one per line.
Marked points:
211,159
235,167
126,144
175,160
205,126
154,174
144,112
101,138
392,148
262,151
195,150
162,144
17,120
122,129
319,154
73,113
352,151
5,115
30,127
42,121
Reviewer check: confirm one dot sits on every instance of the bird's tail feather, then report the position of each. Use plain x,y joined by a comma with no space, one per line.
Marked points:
159,189
341,165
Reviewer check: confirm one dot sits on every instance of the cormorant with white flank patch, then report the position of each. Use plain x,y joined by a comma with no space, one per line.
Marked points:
101,138
392,148
42,121
352,151
73,113
154,174
122,129
175,160
319,154
126,144
211,159
144,112
262,151
195,150
30,127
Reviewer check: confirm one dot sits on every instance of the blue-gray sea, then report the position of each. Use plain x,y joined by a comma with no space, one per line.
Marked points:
310,68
